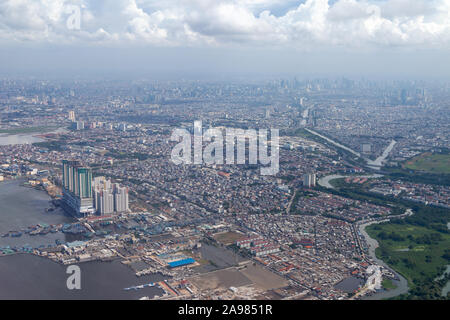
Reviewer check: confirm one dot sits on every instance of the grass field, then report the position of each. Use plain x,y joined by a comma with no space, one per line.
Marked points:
434,163
388,284
228,238
414,251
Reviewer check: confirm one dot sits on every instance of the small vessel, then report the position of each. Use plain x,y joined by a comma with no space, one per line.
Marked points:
44,231
142,286
16,234
35,232
149,285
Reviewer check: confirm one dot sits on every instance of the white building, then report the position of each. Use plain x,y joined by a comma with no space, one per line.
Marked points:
120,198
104,202
109,198
309,180
72,116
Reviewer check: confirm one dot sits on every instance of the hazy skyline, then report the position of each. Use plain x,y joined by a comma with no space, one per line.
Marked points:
383,38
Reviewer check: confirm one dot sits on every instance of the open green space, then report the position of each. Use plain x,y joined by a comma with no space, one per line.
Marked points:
388,284
417,247
417,176
228,238
428,162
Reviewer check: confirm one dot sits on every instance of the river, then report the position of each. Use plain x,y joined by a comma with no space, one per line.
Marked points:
6,139
402,283
446,288
11,139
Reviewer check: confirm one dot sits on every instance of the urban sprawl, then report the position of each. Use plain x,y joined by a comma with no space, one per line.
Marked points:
224,231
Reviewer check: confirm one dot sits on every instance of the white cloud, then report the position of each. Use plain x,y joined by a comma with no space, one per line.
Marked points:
308,24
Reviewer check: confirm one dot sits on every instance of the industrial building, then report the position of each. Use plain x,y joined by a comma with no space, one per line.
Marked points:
180,263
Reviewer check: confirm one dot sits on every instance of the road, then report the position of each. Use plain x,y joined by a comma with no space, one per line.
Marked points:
376,164
372,164
337,144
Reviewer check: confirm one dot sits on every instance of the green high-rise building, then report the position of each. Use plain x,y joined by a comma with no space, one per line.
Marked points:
77,187
84,183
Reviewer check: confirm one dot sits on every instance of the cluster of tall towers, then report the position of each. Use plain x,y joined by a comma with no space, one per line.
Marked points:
109,197
86,196
309,180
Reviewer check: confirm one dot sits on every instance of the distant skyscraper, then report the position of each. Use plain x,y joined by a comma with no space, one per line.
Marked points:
80,125
72,116
404,96
309,180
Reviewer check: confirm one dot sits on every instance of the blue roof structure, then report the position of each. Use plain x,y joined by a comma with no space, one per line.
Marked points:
182,262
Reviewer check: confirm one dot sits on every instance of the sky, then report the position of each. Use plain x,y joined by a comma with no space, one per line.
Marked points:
221,38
